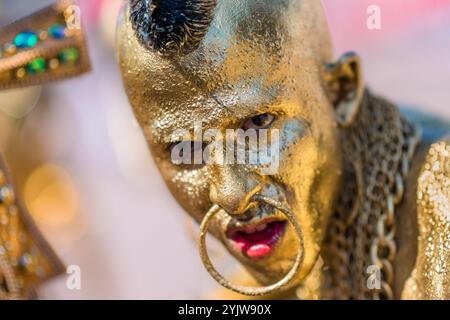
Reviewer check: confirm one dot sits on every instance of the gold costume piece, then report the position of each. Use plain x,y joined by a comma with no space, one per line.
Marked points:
33,51
430,278
26,260
379,147
42,48
348,164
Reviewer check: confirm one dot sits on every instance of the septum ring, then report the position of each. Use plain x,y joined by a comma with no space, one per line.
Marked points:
253,291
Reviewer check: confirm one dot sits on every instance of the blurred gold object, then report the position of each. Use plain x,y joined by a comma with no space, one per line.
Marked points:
30,46
50,195
35,50
349,160
431,275
26,259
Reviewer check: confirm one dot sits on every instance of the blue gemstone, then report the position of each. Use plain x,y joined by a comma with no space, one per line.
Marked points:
26,39
57,31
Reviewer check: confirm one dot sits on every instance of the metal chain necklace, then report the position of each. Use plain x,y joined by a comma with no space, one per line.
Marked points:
379,148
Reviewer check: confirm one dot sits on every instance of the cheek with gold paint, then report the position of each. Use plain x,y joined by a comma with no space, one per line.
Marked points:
190,187
310,172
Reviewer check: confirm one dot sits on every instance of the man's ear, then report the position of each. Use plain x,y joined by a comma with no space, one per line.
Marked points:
345,84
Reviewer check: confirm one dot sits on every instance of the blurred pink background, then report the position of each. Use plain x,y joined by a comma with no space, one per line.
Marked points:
84,170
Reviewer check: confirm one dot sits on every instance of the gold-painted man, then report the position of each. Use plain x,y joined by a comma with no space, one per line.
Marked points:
359,207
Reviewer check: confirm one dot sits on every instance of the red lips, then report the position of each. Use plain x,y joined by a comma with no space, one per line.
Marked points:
258,241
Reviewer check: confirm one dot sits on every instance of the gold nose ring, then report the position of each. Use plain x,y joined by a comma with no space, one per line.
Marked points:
253,291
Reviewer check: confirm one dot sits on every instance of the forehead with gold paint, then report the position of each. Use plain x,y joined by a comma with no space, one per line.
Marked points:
246,57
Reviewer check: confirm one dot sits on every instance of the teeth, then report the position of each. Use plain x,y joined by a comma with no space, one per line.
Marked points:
261,227
253,229
250,230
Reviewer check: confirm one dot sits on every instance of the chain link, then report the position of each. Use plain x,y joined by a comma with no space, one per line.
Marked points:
379,147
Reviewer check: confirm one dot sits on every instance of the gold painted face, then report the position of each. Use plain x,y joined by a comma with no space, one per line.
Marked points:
258,65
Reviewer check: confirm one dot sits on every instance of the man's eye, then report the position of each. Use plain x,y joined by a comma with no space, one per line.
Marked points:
262,121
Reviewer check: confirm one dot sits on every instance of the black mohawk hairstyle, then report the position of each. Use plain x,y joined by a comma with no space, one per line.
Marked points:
171,26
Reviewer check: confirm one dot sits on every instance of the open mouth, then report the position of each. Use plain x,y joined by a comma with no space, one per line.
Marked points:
258,240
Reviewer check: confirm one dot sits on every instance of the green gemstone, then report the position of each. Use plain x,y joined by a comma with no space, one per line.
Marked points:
26,39
69,56
36,66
